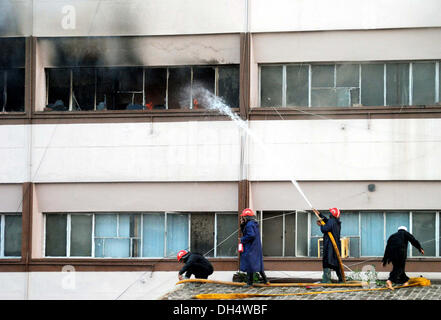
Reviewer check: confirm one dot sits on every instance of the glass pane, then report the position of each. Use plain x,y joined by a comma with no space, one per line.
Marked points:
179,88
153,235
290,234
272,237
228,85
227,233
354,247
81,235
15,90
56,225
332,97
372,84
203,84
271,86
99,248
202,233
58,89
105,225
423,75
397,84
322,76
155,88
129,225
297,81
423,229
177,233
302,234
13,236
372,234
349,224
347,75
117,248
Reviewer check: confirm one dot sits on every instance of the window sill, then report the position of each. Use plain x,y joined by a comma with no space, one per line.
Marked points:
323,113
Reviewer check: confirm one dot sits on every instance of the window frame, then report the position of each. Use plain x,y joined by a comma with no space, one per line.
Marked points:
2,234
70,70
360,64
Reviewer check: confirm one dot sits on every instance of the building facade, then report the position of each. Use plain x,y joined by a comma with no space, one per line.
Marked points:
114,158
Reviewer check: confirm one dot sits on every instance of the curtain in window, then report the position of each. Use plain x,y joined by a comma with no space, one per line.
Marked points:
153,235
372,234
177,233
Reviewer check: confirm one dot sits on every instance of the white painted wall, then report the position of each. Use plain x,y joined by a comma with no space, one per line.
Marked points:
176,151
309,15
92,285
152,17
11,199
381,149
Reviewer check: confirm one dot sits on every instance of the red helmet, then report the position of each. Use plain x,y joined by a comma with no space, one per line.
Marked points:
247,212
181,254
335,212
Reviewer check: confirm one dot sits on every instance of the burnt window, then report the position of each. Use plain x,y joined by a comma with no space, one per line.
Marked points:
58,82
155,88
140,88
12,74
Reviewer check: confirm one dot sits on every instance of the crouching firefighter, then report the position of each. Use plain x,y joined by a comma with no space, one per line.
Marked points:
396,252
195,264
330,260
251,257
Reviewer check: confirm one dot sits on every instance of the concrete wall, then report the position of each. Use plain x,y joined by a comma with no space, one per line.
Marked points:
11,198
381,149
43,18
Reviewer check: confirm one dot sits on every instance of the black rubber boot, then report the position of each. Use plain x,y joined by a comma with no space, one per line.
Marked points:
263,275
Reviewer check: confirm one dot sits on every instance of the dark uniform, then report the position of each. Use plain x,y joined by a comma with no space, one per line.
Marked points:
251,259
197,265
396,252
330,260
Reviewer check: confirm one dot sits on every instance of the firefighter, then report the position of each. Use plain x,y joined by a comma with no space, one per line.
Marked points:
195,264
396,252
330,260
251,259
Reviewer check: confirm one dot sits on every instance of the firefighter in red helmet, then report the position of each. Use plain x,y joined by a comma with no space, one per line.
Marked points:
330,260
251,258
195,264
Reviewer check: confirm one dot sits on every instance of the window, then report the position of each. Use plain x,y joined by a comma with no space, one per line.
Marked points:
368,231
139,235
350,84
12,74
139,88
10,235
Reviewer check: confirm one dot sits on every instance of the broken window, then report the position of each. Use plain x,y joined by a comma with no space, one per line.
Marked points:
138,88
10,235
58,89
156,88
423,76
228,85
179,88
84,87
12,74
